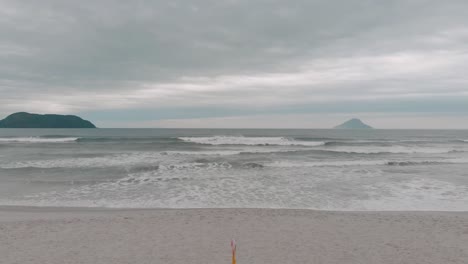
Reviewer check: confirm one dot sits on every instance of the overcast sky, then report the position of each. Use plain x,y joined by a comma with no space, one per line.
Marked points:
237,63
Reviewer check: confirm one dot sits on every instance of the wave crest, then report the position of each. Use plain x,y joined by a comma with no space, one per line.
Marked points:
38,139
353,163
396,149
251,141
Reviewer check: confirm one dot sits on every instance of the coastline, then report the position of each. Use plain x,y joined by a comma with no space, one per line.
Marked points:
98,235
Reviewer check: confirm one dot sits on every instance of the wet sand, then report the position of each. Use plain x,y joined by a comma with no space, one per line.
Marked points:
95,236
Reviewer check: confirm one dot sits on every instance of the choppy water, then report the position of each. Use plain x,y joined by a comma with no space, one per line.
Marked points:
177,168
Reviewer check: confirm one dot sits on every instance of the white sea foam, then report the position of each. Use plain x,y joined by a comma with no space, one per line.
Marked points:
341,163
352,192
396,149
420,194
203,152
252,141
37,140
229,152
126,159
346,163
129,159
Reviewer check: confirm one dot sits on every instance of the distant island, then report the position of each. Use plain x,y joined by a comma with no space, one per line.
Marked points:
353,124
28,120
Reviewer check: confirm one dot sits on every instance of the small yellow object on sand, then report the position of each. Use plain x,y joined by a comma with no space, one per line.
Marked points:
233,248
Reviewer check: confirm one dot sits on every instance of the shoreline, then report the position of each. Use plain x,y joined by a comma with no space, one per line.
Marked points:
65,211
86,208
108,235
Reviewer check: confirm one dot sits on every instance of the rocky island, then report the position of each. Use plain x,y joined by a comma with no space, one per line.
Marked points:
28,120
353,124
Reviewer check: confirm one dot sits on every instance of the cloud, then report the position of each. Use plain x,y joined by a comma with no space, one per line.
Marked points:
233,57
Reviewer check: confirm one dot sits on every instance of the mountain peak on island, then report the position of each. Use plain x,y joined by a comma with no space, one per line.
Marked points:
28,120
354,123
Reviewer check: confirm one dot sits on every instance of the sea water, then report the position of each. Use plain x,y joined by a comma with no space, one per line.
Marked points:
240,168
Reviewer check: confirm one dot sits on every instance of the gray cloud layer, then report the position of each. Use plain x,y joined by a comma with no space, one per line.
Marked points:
216,56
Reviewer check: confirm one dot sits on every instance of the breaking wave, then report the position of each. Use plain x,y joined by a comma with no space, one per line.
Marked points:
252,141
341,163
427,162
38,139
395,149
346,163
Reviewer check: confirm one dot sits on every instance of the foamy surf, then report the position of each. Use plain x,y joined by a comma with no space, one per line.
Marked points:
314,169
393,149
38,140
365,163
252,141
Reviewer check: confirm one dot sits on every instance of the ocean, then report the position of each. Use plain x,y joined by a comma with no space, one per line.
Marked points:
235,168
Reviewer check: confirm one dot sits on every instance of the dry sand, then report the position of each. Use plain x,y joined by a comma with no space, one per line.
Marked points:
189,236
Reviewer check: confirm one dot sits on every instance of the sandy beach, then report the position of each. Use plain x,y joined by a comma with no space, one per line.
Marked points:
95,236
